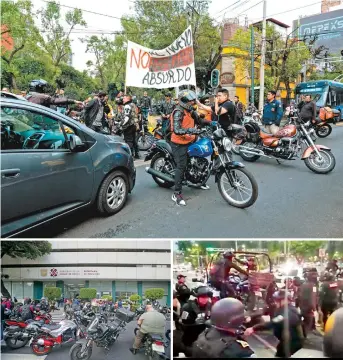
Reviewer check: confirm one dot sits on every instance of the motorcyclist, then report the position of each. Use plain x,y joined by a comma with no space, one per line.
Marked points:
333,344
38,94
183,120
27,310
220,272
328,296
332,266
287,329
43,305
182,290
224,339
166,110
194,314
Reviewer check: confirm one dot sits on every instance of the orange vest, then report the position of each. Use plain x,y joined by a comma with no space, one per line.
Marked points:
187,122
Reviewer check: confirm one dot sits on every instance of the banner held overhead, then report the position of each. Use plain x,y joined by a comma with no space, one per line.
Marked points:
160,69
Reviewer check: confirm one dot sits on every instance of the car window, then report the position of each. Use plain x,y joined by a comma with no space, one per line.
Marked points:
28,130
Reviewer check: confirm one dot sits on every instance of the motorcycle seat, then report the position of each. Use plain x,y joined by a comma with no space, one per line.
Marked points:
51,327
265,135
156,337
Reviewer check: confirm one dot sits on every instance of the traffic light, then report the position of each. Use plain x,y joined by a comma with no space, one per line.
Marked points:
215,78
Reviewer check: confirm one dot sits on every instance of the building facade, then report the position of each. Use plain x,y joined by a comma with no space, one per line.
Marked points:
115,268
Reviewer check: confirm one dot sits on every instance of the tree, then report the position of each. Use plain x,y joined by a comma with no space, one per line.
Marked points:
23,249
135,298
18,18
107,297
57,41
87,293
52,293
154,294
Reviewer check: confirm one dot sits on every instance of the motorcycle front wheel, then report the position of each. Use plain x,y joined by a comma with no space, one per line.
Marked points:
321,166
40,350
145,141
244,189
323,131
75,353
159,163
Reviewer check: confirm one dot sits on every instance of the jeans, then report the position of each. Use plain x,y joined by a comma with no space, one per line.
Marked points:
130,138
180,157
272,129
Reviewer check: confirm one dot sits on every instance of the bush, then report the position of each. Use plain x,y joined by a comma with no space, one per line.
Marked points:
107,297
135,298
87,293
52,293
154,294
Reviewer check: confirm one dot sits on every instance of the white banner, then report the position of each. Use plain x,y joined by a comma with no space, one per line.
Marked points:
160,69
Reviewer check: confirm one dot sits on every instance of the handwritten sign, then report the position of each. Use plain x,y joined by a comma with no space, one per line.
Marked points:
160,69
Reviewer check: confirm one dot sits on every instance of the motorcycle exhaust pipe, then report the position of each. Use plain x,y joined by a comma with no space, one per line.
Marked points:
253,152
160,175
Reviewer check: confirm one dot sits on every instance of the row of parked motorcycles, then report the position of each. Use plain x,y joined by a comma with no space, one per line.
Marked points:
83,327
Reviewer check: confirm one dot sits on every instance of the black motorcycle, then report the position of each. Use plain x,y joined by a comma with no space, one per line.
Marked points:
102,333
154,345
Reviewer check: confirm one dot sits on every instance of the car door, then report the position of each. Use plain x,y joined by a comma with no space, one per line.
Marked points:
41,177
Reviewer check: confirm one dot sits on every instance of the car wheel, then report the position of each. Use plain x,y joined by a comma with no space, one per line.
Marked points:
113,193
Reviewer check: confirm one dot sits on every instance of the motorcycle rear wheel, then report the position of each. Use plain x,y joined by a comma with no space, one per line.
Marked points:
156,163
314,166
12,344
246,156
145,141
224,181
74,352
323,131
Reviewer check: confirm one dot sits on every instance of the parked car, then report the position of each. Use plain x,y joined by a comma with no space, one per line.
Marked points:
52,165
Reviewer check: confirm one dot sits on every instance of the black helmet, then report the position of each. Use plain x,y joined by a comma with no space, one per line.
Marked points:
227,313
333,346
202,291
185,96
282,295
40,86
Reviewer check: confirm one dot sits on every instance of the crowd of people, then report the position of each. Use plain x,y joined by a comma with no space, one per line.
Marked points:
291,308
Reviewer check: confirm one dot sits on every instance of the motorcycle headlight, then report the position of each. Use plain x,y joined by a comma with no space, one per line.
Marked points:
227,144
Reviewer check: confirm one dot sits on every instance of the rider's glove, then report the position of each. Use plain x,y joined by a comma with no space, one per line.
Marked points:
214,123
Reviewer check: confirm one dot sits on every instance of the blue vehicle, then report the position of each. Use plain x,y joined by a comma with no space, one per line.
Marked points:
210,154
324,93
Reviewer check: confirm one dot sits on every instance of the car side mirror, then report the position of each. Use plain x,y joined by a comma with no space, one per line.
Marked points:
75,143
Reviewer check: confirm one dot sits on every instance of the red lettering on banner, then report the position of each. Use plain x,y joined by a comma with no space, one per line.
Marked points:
184,57
143,59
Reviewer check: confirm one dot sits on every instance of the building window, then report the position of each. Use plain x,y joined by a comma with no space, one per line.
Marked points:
123,295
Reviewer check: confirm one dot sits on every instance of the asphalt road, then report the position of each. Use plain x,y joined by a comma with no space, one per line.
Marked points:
293,202
119,350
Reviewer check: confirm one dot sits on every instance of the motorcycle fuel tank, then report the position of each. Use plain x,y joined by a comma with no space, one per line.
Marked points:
201,148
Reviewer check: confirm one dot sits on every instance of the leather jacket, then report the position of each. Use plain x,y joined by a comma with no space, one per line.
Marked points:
145,102
47,100
177,120
167,108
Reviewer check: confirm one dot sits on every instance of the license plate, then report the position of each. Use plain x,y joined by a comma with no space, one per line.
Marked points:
258,293
158,348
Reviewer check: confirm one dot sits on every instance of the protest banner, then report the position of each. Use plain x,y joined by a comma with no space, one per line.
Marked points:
160,69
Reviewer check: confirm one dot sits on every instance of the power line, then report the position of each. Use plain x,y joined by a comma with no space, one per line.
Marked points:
249,8
218,12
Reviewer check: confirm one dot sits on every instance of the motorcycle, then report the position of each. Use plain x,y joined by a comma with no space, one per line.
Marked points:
286,144
101,333
144,137
211,153
154,345
245,292
50,336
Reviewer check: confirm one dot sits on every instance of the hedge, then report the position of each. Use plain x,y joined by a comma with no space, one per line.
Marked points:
107,297
154,294
135,298
52,293
87,293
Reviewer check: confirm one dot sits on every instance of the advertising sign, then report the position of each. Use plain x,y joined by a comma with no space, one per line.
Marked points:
160,69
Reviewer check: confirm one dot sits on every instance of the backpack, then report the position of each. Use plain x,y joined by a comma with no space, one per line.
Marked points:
326,113
26,312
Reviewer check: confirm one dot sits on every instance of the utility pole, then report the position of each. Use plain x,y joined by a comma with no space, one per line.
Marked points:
263,55
252,65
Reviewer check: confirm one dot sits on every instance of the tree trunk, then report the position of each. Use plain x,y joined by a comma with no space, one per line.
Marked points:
4,291
288,89
13,82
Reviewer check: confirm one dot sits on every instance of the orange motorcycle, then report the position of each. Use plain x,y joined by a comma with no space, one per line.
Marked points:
287,144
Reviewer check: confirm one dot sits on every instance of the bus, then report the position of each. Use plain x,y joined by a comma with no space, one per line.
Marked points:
324,93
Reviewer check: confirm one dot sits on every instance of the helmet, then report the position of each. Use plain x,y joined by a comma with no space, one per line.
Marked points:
228,254
227,313
282,295
329,277
40,86
185,96
333,346
181,276
42,299
203,291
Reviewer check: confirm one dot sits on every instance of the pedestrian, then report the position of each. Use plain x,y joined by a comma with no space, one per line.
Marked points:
239,110
145,106
94,113
120,304
166,111
286,328
223,109
272,113
308,110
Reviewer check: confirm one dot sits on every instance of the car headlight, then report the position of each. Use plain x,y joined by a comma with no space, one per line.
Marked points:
227,144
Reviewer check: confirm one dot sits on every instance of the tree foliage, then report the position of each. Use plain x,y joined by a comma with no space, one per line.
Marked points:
87,293
154,293
135,298
52,293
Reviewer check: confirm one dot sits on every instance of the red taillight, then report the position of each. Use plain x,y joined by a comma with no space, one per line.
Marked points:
159,343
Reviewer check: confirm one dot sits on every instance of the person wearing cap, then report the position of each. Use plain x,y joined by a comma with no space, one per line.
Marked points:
224,339
94,114
286,325
182,290
194,313
272,113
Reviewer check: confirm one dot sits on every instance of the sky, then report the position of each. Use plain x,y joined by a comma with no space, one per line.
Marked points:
217,10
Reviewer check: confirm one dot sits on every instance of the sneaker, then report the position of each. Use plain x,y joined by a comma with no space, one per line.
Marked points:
178,199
